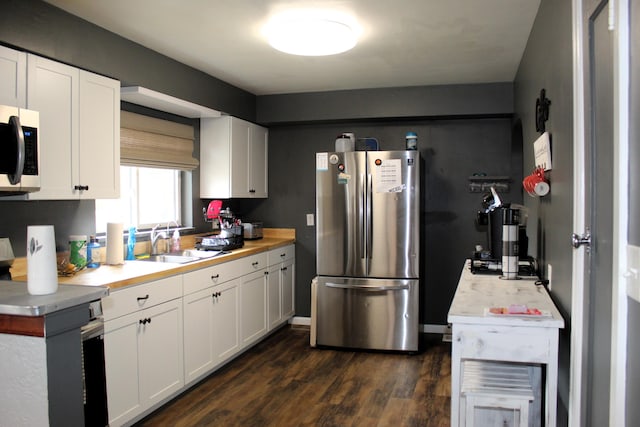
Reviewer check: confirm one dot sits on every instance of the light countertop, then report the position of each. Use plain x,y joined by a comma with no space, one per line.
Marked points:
16,300
478,292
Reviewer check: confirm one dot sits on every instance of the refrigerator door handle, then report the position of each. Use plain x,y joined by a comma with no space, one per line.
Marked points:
362,216
369,217
367,287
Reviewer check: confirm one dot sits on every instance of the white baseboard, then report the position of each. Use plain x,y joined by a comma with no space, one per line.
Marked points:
428,329
297,320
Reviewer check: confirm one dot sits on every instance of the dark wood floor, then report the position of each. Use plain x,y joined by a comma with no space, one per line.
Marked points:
284,382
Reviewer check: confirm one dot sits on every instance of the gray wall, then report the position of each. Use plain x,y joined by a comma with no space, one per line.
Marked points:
426,101
547,63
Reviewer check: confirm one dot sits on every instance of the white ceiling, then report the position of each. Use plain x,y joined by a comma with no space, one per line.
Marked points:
404,42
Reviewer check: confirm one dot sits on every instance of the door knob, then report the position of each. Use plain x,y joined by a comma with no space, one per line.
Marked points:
585,239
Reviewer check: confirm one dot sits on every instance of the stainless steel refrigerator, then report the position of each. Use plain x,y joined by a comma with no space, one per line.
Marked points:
366,294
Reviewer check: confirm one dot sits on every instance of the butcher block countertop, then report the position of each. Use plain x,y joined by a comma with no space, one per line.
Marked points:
136,272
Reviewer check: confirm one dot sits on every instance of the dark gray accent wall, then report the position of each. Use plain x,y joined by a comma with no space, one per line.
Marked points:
425,101
452,150
547,64
67,216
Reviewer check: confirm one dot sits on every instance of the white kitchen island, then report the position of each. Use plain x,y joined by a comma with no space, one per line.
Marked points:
478,335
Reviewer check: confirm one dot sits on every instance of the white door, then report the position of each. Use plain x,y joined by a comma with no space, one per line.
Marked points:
595,309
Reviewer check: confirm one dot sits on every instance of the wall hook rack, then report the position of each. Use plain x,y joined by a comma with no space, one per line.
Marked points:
542,111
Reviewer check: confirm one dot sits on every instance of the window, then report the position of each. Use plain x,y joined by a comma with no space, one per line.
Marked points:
148,196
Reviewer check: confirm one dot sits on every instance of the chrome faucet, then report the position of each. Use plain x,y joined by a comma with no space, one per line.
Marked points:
155,235
169,223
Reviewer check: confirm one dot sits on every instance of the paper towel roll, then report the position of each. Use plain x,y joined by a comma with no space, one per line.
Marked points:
115,243
42,271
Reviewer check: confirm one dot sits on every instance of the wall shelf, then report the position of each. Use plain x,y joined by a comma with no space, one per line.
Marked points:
483,183
159,101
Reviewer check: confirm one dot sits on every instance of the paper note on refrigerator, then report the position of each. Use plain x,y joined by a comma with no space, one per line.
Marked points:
322,161
389,177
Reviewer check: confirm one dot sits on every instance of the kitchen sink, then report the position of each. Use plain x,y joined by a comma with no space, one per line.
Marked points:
177,259
183,257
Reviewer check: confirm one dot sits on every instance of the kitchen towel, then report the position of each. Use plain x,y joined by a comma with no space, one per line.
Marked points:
42,271
115,243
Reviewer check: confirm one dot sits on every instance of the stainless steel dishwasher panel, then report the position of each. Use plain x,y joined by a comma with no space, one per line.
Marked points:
380,314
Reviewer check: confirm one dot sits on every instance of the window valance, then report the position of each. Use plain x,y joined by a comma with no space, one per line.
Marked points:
151,142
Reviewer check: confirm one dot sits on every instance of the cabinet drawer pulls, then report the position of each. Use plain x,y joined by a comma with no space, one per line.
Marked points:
81,187
144,321
283,269
144,298
215,276
255,263
283,255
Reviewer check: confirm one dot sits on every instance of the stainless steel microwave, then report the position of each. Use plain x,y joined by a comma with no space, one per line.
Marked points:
19,150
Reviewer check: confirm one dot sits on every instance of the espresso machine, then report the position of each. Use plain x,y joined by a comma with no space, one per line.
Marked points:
507,243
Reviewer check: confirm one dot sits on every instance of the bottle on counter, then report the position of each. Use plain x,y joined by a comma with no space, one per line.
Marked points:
175,241
93,254
412,141
131,244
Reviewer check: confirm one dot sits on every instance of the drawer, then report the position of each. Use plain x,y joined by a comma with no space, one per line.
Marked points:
285,253
134,298
220,273
516,344
253,263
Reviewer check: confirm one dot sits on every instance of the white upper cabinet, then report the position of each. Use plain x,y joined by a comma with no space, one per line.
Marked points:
13,81
99,153
233,159
79,130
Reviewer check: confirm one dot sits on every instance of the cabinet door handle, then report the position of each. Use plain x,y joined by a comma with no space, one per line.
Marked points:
252,191
266,273
144,298
215,276
283,269
81,187
144,321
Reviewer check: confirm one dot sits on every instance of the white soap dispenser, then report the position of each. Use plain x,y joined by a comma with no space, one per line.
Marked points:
175,241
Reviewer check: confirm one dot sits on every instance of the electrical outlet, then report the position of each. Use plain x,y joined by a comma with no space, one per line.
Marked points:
310,220
549,274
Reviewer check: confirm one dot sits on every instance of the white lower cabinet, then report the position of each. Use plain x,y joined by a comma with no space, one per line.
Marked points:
280,285
163,335
211,328
253,297
143,347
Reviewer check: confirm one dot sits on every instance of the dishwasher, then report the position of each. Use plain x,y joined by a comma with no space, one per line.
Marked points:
94,385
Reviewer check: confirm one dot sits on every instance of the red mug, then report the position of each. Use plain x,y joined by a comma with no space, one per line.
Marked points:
535,184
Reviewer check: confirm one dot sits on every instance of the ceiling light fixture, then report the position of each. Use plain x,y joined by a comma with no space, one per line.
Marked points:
312,32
